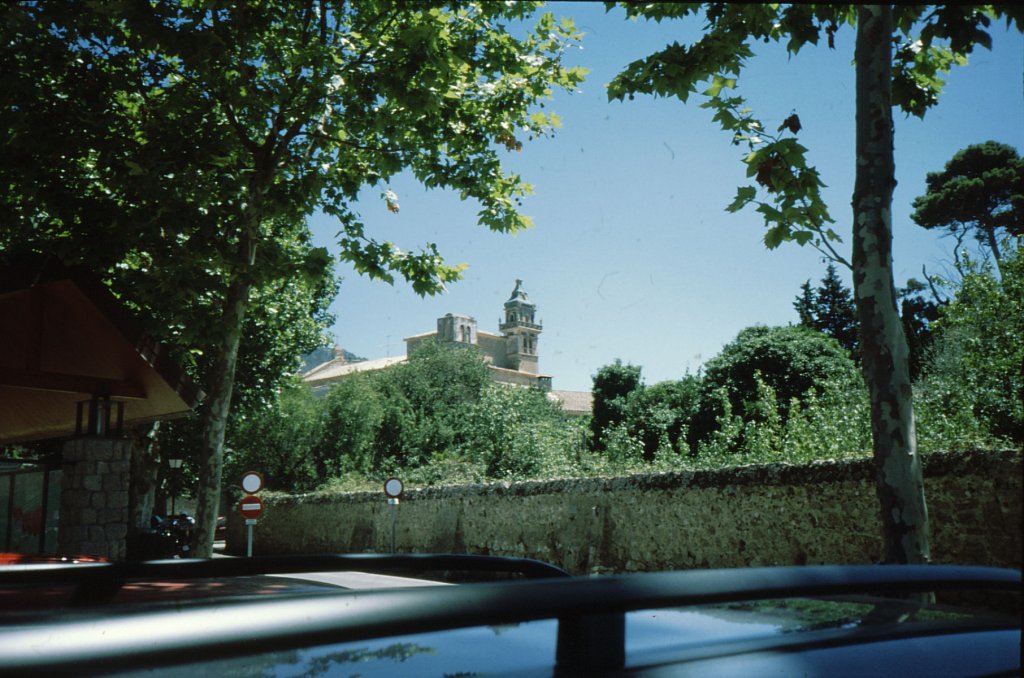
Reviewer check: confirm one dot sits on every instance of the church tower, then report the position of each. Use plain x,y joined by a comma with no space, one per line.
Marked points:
456,329
520,331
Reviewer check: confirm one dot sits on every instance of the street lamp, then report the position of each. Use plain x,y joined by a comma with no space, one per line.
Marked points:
174,465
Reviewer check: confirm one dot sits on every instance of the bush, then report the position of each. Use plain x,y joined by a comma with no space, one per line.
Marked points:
613,385
280,441
976,368
353,413
790,360
517,433
659,416
832,424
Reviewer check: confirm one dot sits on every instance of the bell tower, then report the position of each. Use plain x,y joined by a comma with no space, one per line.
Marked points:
520,331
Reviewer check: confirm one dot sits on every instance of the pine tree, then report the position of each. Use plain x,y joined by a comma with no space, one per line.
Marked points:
830,310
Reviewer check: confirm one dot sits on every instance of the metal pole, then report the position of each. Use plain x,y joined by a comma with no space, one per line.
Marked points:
394,518
248,546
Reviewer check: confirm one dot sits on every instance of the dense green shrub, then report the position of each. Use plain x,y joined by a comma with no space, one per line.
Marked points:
519,433
828,422
613,385
791,360
975,372
659,416
280,441
426,401
352,413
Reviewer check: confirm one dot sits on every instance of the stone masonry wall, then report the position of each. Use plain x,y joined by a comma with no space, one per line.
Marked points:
94,497
825,512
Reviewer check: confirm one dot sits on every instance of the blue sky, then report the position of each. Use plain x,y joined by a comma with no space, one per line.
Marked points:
633,255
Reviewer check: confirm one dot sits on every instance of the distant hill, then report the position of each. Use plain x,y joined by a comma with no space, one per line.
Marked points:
328,353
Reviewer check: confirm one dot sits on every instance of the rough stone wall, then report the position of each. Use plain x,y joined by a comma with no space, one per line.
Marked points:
825,512
94,497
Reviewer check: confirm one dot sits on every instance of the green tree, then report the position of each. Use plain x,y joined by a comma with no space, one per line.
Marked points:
979,193
830,310
353,414
979,359
279,440
426,402
790,361
659,416
215,127
517,433
612,387
929,41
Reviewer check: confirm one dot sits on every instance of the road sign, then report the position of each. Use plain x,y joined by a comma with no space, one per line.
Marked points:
393,488
252,481
251,507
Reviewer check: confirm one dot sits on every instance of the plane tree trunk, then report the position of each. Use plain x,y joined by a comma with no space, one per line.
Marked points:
145,464
220,387
899,481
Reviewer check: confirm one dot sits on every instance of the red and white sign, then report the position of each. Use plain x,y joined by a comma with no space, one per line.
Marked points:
251,507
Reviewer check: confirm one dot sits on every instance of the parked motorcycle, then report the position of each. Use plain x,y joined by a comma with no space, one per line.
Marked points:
178,528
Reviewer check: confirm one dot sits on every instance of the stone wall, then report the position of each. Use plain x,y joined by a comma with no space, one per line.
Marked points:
825,512
94,497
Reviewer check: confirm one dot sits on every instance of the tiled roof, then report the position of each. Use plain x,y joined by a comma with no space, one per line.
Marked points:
574,402
336,369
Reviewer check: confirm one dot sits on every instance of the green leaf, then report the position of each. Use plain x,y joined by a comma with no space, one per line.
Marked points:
744,194
719,82
803,237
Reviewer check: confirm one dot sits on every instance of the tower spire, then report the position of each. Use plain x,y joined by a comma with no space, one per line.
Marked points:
521,331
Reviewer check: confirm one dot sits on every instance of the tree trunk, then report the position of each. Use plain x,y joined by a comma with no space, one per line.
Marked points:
142,487
215,412
993,244
899,481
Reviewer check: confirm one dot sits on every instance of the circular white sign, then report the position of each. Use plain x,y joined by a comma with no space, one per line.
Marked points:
252,481
393,488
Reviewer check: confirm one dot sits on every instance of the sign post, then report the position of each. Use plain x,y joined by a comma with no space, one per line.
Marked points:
251,507
393,489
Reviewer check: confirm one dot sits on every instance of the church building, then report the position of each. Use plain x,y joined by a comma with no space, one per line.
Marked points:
511,356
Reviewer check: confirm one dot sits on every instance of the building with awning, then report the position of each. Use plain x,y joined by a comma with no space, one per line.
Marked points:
65,339
76,365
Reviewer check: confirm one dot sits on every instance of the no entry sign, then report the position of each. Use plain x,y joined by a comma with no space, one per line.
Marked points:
251,507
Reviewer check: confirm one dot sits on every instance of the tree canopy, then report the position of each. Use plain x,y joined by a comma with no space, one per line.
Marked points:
790,360
612,386
979,355
979,194
829,309
189,141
